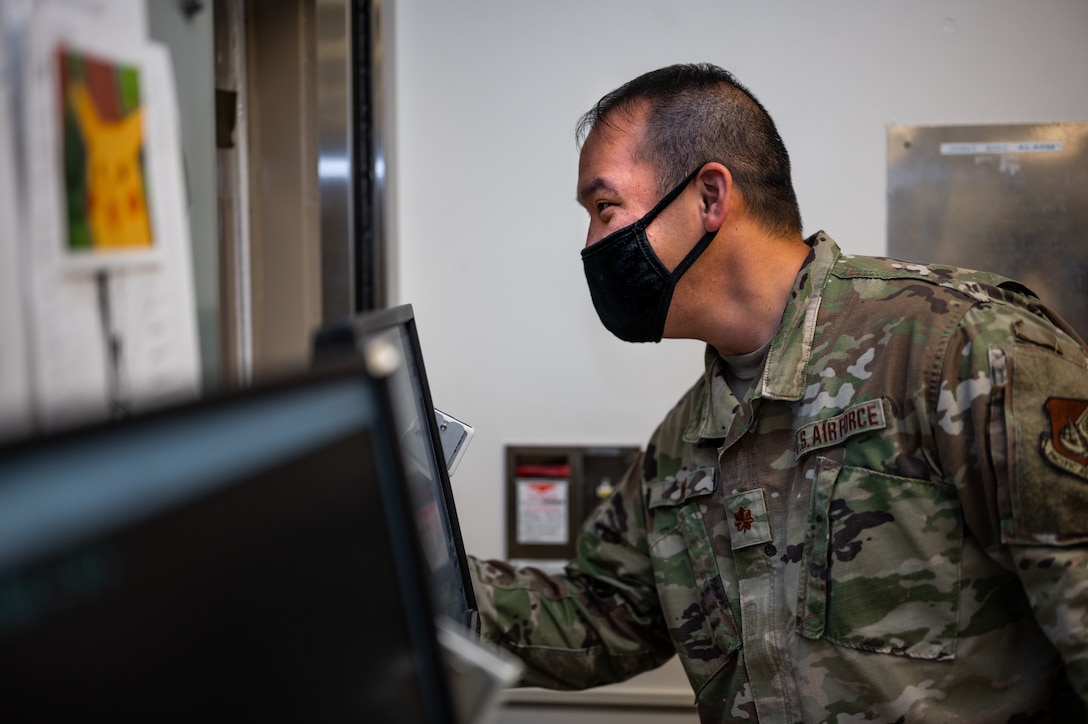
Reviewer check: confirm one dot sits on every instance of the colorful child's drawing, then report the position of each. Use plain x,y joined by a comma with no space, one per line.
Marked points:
103,156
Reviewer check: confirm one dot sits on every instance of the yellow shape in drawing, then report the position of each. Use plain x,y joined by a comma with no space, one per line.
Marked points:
116,202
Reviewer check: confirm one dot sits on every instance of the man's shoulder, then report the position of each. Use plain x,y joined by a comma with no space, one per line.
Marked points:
969,296
959,279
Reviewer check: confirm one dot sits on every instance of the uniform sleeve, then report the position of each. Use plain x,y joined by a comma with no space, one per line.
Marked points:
597,623
1012,431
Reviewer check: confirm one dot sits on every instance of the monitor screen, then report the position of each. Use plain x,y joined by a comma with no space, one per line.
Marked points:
425,462
241,558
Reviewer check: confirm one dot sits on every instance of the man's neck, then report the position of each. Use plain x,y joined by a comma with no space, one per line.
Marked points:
757,277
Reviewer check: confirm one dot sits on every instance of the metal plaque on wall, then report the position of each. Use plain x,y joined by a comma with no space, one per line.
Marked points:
1011,199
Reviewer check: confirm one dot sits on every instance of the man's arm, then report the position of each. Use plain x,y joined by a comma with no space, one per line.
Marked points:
1014,405
597,623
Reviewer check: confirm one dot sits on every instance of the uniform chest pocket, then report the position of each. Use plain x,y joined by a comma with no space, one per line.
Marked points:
693,594
882,563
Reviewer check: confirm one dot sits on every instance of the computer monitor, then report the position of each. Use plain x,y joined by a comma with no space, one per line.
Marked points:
250,557
428,475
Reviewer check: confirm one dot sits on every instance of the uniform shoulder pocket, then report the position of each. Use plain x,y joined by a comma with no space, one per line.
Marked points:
1045,441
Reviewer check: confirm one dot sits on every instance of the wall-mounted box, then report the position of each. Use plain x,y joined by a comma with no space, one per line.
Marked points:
550,492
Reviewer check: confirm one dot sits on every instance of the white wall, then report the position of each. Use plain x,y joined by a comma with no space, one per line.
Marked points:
487,95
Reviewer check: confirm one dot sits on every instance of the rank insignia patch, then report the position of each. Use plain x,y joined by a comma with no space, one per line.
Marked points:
751,521
1067,446
743,519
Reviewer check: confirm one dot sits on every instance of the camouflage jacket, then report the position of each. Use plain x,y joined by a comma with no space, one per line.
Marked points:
892,525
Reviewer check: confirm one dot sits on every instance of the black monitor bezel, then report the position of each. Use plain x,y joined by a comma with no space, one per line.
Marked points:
330,346
411,566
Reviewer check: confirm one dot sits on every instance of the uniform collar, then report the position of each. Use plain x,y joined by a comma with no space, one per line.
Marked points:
783,376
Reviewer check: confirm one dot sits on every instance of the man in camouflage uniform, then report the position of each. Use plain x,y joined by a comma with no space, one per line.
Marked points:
874,504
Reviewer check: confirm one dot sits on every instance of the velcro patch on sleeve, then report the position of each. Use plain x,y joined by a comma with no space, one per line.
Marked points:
1046,424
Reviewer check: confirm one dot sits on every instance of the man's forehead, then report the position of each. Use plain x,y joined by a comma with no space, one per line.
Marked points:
607,147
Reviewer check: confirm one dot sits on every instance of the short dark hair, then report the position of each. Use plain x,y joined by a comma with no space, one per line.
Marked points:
699,113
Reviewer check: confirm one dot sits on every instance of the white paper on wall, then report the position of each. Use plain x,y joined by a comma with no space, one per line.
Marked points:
542,511
112,321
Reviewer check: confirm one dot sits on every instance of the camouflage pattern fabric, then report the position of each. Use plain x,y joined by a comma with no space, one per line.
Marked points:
891,525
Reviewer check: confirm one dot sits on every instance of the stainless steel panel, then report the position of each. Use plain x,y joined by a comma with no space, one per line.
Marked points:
379,250
232,161
1011,199
336,167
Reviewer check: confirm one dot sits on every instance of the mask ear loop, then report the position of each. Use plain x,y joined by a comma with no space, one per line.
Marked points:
685,263
699,248
667,199
694,254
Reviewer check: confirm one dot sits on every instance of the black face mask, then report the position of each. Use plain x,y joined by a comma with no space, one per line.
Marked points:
630,287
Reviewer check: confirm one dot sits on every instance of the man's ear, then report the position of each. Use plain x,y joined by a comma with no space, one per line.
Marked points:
715,185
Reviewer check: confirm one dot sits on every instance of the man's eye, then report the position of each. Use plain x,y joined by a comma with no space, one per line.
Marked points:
602,205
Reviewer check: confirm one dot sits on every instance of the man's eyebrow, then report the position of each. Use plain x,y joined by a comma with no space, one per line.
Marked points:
591,187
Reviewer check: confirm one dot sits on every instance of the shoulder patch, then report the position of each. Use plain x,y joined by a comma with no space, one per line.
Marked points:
1067,446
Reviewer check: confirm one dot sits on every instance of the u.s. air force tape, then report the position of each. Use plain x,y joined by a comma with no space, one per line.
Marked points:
854,420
